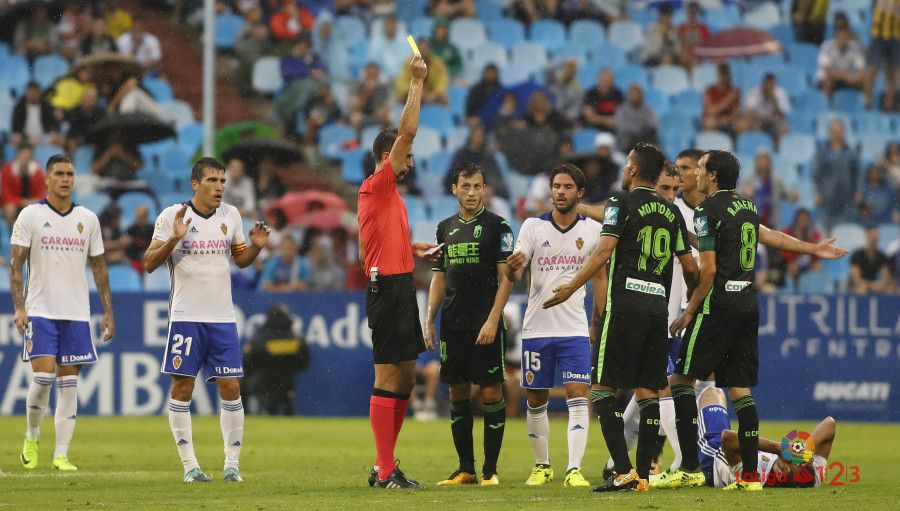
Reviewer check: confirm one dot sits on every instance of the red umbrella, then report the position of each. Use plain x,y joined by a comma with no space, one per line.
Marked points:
296,205
737,42
327,219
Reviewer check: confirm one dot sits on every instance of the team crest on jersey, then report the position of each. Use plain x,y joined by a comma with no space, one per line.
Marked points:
579,243
506,242
611,215
80,227
529,377
477,231
701,225
17,231
29,346
176,361
224,229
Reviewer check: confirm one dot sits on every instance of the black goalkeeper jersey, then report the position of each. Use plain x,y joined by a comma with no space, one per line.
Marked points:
473,249
651,233
728,223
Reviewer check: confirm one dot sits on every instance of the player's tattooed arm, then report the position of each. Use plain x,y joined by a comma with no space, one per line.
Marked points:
781,241
594,264
101,278
18,256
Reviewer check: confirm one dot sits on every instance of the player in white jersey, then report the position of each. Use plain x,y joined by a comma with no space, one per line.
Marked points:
555,342
57,238
198,240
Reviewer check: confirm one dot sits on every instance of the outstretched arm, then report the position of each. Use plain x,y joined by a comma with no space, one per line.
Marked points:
594,264
101,278
409,119
781,241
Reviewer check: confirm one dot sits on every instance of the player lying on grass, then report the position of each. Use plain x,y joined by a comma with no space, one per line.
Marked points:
720,452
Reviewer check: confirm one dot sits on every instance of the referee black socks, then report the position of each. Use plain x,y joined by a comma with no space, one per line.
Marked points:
748,435
461,426
686,424
607,409
647,433
494,425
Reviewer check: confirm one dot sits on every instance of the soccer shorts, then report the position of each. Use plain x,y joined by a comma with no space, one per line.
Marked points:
212,347
725,343
632,351
69,341
393,314
711,422
463,361
545,358
674,348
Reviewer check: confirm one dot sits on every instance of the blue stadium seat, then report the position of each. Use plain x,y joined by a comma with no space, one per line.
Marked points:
803,55
43,152
505,32
812,100
626,35
438,164
421,27
825,118
797,147
349,29
367,136
586,33
122,278
437,117
530,56
722,18
847,100
227,27
171,198
675,140
784,32
333,137
457,138
163,182
488,53
6,110
814,282
873,145
887,234
15,74
178,112
794,83
489,10
657,100
549,32
688,100
415,209
468,34
625,75
443,206
4,275
47,68
426,143
838,270
376,26
849,236
159,88
352,165
190,137
266,77
95,202
411,9
583,139
749,142
131,200
457,96
764,16
84,156
152,153
157,281
580,54
802,121
670,80
872,122
702,76
608,55
708,140
176,161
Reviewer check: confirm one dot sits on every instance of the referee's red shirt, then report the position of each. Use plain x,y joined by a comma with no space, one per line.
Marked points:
384,224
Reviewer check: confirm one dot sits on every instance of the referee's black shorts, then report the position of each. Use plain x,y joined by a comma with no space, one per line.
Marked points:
394,319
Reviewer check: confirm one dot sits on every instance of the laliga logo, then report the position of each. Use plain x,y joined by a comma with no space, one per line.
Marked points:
797,447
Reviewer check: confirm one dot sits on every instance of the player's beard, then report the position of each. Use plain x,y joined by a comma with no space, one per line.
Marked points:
569,206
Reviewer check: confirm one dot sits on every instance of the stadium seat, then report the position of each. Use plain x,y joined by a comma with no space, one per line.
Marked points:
583,140
266,77
847,100
784,32
670,80
426,143
190,137
814,282
630,73
349,29
419,27
887,234
723,17
586,33
163,182
176,161
689,101
425,231
84,157
367,136
824,119
352,164
803,121
657,100
332,139
457,138
443,206
437,117
415,209
227,27
626,35
122,278
157,281
505,32
4,277
95,202
530,56
411,9
457,96
376,27
131,200
838,270
607,55
549,32
709,140
438,164
804,55
873,145
797,147
764,16
703,76
43,152
47,68
749,142
15,74
152,153
468,34
178,112
872,122
810,100
488,53
171,198
849,235
489,10
581,55
159,88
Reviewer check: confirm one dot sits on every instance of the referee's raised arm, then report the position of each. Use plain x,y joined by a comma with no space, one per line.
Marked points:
409,118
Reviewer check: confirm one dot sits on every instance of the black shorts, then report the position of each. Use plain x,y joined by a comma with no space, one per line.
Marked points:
463,361
725,343
394,319
632,351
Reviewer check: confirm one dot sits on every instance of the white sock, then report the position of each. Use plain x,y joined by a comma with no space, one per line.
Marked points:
579,420
36,403
667,427
632,419
538,433
66,412
232,421
180,422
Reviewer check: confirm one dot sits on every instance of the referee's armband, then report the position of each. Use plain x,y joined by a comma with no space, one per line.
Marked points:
237,249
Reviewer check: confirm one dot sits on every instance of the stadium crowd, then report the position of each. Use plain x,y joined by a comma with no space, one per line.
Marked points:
514,86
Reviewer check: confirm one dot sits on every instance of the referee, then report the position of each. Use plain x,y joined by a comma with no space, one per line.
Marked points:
391,296
471,282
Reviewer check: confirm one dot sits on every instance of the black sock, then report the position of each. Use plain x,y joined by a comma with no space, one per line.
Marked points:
494,425
647,433
607,410
461,427
748,435
660,444
686,424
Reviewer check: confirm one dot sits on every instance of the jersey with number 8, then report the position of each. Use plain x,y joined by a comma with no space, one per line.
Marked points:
728,223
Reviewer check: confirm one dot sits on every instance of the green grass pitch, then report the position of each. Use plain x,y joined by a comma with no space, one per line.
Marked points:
294,463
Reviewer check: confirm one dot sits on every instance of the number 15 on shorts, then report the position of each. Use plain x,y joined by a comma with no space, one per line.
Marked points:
531,364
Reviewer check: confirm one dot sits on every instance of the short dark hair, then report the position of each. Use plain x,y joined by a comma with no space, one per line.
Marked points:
205,163
691,153
669,169
469,169
726,167
573,171
649,160
384,142
57,158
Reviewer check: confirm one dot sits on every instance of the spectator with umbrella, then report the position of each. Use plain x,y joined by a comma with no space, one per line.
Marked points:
21,182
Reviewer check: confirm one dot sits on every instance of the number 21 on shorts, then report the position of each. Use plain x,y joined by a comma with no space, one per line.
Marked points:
179,341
